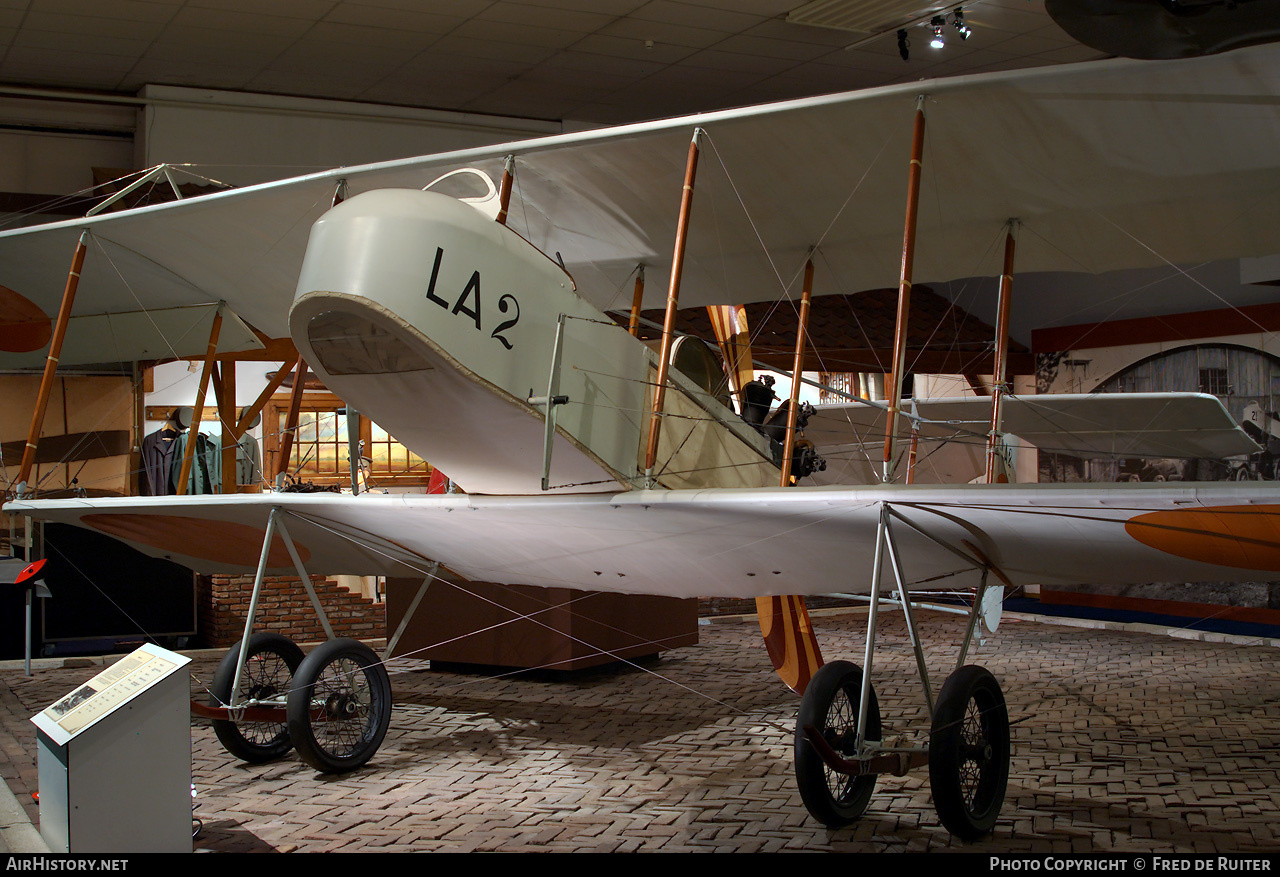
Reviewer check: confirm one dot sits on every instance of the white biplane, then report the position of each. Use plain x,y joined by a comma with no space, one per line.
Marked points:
590,463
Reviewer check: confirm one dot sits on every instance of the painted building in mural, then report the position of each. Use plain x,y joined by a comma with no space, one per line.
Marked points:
1245,379
1242,369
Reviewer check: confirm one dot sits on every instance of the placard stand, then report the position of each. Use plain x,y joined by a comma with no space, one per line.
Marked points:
115,760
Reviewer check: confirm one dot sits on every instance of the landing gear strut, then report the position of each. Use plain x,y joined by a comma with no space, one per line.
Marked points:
838,749
333,706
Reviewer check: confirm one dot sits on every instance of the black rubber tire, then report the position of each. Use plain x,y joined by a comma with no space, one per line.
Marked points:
969,753
830,704
269,668
347,681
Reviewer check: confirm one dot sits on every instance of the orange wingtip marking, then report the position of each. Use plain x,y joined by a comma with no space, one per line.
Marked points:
789,639
23,326
218,541
31,571
1241,537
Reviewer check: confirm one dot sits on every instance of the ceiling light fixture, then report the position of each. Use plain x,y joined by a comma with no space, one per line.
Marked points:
957,19
904,45
939,21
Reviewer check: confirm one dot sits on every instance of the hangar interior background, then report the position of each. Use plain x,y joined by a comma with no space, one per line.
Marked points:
232,93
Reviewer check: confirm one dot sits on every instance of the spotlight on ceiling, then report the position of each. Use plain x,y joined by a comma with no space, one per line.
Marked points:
904,45
937,24
958,20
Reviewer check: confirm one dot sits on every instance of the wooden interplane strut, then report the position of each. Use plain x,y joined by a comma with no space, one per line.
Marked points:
227,419
789,445
291,422
504,189
51,361
188,453
673,301
999,374
784,621
247,416
904,289
637,301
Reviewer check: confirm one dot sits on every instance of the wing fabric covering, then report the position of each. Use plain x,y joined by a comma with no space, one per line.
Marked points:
1185,425
1088,156
739,543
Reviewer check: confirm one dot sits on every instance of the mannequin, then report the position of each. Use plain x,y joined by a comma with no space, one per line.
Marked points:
249,457
206,461
158,455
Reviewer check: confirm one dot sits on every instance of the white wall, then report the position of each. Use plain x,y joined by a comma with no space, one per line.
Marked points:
176,385
51,147
57,164
242,138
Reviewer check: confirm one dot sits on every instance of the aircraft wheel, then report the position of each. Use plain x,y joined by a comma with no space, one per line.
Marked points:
340,706
969,752
830,704
268,669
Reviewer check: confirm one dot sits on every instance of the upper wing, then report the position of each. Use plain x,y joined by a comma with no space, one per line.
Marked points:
1109,165
738,543
243,247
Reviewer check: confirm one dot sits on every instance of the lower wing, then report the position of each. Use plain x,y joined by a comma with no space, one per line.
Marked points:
734,543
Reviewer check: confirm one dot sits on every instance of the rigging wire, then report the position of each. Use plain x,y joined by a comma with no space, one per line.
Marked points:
98,241
402,561
785,286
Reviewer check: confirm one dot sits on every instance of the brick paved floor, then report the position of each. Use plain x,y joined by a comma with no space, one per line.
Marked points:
1122,741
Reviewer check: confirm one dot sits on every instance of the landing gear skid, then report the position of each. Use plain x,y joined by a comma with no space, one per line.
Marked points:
838,749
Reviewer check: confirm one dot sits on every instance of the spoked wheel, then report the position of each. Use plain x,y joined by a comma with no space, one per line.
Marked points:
969,753
340,706
830,704
268,669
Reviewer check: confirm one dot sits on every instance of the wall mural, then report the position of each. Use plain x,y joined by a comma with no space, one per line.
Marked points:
1248,383
1246,380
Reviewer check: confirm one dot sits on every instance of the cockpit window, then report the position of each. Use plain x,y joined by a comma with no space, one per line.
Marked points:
348,344
465,184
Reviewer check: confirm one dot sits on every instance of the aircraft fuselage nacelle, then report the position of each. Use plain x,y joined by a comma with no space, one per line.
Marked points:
440,324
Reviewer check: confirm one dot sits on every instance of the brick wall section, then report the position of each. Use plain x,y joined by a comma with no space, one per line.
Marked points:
713,606
223,602
284,607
